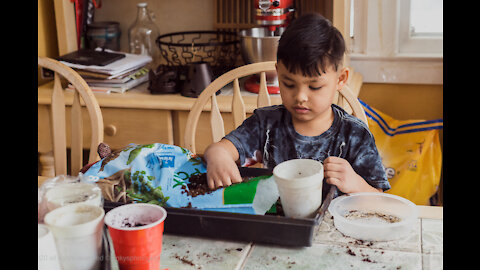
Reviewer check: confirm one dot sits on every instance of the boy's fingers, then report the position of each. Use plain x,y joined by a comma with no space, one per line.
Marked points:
332,174
218,183
329,166
333,159
333,181
335,165
223,180
236,178
227,182
211,183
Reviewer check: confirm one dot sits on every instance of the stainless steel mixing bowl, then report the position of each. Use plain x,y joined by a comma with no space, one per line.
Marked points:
259,45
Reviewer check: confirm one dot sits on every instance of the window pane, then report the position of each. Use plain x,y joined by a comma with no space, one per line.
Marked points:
426,17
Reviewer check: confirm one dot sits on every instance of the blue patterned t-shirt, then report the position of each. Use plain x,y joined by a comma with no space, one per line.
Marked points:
268,136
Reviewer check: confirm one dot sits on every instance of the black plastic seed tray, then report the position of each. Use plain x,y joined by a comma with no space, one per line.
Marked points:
268,229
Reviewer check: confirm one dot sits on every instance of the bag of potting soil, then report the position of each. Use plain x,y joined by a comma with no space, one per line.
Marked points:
160,173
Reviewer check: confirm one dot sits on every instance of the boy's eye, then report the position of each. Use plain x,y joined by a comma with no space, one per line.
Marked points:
288,85
315,88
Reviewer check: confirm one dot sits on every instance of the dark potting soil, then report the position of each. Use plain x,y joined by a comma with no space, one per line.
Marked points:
126,223
198,185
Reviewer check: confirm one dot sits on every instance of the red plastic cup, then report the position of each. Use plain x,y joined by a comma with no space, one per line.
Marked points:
136,231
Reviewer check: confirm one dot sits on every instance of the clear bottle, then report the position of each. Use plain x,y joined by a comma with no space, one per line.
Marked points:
143,33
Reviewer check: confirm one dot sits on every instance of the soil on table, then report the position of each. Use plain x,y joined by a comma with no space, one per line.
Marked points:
357,214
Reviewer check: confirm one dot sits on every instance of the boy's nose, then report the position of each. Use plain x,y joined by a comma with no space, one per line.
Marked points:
301,96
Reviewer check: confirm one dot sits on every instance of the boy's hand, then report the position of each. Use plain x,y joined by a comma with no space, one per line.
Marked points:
340,173
222,170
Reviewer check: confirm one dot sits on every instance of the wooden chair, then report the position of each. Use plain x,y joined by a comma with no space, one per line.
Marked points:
58,123
238,106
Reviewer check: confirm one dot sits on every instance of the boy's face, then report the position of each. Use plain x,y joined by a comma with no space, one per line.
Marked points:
309,98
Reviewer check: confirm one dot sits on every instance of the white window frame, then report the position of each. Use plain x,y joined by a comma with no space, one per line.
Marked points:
424,45
382,50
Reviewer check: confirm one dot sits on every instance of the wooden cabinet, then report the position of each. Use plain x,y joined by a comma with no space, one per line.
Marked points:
142,126
121,126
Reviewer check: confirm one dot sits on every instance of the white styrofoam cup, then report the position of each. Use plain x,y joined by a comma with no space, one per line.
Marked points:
47,251
299,183
78,230
69,193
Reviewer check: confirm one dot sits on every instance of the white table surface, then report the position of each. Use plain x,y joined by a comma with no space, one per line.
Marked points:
422,249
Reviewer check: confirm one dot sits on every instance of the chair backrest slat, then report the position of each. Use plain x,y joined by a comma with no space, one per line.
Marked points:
355,81
357,109
76,135
216,120
263,98
238,106
59,136
58,126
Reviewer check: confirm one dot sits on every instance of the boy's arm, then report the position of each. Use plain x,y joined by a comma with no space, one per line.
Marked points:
221,158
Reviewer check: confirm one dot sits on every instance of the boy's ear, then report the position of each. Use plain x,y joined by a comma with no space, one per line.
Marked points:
343,77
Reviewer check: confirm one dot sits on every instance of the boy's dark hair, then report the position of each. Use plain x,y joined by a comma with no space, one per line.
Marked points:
308,42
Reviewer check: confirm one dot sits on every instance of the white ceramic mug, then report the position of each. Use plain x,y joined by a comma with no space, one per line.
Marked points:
299,183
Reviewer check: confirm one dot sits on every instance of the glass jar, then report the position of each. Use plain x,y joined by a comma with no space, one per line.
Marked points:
142,34
104,35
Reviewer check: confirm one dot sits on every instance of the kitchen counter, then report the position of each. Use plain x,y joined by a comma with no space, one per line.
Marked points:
140,98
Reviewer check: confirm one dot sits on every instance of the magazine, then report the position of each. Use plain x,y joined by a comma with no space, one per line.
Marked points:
121,66
115,87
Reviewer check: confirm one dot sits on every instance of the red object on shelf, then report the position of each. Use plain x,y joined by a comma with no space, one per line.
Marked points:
252,85
79,16
273,13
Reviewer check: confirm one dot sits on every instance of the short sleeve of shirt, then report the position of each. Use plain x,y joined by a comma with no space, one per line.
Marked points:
246,138
367,163
370,167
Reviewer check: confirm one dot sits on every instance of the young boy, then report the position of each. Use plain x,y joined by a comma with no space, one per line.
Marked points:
307,124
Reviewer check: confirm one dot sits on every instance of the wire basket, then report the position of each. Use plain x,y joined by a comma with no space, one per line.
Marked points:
220,49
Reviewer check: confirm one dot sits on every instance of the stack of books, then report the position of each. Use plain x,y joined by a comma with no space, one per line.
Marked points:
117,77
